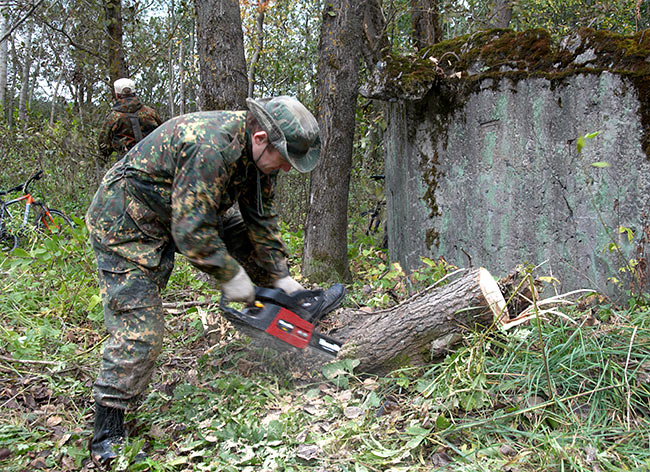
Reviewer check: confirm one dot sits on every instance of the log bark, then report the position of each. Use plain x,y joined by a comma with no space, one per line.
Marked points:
423,327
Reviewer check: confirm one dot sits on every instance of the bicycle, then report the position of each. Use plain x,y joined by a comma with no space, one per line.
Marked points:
47,221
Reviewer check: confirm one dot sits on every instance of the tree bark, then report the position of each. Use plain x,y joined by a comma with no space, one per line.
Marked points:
426,22
114,39
181,79
224,82
12,82
24,80
325,255
4,56
423,327
501,13
37,71
259,29
170,89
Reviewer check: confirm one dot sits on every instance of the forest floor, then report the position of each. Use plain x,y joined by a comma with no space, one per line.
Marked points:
569,393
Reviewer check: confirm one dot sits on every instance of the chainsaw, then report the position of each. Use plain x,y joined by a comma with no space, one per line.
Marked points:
290,318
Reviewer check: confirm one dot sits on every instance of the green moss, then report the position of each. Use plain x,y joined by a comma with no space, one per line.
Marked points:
400,360
505,54
440,79
530,52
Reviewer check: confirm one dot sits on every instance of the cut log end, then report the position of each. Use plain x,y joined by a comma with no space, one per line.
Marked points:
492,295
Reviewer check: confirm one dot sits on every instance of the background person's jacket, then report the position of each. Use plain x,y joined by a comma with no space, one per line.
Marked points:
118,132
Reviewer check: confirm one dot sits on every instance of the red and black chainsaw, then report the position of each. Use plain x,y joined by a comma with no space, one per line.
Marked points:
291,318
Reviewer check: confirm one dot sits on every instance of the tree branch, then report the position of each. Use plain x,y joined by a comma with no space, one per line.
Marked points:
72,42
21,21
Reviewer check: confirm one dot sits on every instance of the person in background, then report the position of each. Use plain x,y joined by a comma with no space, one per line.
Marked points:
202,184
128,122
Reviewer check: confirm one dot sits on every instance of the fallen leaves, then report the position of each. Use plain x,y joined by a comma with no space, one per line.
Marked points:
308,451
353,412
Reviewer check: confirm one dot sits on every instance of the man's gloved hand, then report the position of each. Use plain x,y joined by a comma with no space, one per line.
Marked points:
288,284
239,288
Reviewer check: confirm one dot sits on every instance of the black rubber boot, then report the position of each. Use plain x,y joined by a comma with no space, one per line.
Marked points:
108,436
320,302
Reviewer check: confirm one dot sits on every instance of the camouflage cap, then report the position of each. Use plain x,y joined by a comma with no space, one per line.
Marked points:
291,128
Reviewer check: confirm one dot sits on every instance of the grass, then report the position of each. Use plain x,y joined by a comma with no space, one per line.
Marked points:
218,404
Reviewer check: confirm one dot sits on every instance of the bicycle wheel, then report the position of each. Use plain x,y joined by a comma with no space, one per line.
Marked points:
8,242
55,223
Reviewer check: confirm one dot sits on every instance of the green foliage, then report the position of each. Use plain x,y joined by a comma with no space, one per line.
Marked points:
561,17
339,372
460,381
65,155
630,277
290,47
379,284
49,283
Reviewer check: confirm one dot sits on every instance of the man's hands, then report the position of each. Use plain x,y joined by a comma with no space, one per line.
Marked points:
239,288
288,284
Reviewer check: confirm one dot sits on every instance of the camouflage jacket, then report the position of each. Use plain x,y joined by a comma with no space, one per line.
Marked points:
117,134
175,184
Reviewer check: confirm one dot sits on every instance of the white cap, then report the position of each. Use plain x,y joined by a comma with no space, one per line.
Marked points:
124,86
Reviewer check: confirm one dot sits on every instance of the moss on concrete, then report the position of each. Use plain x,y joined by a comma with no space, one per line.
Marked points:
440,79
459,66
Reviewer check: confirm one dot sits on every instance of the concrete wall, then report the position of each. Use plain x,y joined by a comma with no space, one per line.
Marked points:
497,181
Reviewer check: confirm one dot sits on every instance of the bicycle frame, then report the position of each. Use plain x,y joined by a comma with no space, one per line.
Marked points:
29,202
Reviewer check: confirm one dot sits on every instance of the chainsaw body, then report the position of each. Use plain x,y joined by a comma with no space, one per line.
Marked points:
285,317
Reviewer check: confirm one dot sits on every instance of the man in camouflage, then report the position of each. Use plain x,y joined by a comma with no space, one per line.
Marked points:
128,122
174,192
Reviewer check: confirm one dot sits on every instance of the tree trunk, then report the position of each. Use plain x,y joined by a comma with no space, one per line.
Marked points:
224,83
181,79
27,64
114,43
259,29
194,54
426,22
4,57
376,44
325,255
12,84
423,327
501,13
170,90
56,94
34,78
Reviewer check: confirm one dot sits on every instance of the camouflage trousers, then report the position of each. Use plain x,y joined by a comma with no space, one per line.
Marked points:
134,315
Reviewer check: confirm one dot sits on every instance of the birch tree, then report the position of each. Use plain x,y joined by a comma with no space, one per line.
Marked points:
24,79
4,51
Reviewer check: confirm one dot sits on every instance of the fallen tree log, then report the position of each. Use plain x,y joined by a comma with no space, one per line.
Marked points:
422,327
414,332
